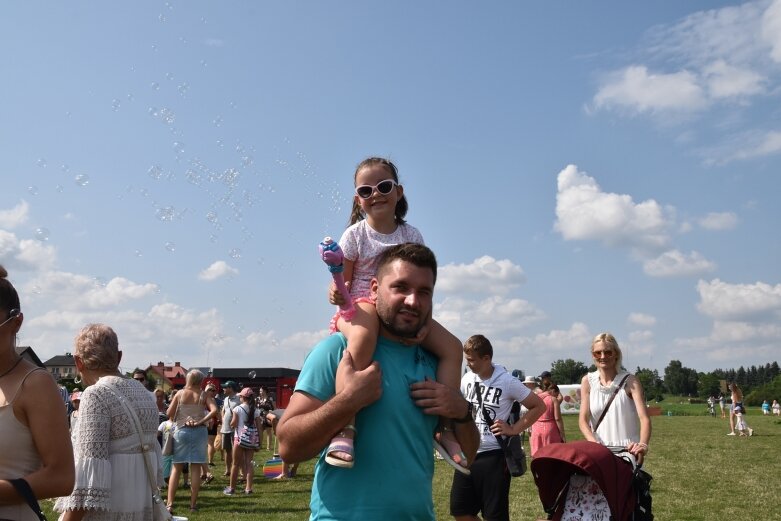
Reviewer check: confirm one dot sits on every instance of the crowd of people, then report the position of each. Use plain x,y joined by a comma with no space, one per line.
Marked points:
389,372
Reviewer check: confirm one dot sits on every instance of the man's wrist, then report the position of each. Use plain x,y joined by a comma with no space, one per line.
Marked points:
469,416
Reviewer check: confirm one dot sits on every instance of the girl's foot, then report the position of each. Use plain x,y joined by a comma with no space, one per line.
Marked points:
341,451
447,446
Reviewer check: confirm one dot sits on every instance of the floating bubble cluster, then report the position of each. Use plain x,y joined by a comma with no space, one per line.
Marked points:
82,179
42,234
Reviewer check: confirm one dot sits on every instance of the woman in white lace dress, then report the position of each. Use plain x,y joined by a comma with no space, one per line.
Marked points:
111,478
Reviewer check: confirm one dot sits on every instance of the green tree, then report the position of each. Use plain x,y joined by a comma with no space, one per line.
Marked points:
652,384
568,371
708,385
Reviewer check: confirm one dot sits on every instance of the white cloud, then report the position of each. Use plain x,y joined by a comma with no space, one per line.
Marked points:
570,343
641,319
491,316
771,29
585,212
726,81
25,255
748,145
217,270
15,216
637,90
724,301
719,221
485,275
674,263
70,291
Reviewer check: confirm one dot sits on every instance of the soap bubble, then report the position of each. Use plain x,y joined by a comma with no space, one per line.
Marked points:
235,253
99,282
139,253
170,246
178,147
82,179
42,234
115,104
33,190
183,88
166,214
252,374
59,188
41,163
155,85
155,172
169,75
211,217
217,123
65,168
37,290
161,17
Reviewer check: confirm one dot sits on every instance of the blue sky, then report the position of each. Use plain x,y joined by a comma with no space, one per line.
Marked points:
168,168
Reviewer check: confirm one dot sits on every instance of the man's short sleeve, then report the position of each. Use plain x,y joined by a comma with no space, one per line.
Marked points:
318,375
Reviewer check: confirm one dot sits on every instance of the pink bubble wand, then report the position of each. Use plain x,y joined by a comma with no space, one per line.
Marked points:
333,256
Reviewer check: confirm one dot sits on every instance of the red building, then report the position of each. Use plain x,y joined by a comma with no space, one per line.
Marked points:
170,376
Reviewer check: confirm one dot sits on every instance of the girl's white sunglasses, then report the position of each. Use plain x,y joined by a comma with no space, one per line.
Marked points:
383,188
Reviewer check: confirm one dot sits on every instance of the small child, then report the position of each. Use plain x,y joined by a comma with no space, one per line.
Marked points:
377,223
166,429
740,423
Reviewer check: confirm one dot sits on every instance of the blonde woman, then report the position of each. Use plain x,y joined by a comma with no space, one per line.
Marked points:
33,423
191,410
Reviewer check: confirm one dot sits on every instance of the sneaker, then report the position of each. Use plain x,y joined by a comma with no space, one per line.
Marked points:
751,432
228,491
730,434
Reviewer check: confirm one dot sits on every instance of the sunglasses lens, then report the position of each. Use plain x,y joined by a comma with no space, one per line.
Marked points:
364,191
385,187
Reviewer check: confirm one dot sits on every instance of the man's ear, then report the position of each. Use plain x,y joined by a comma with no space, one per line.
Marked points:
375,286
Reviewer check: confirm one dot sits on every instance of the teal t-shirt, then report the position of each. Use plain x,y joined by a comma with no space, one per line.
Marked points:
394,463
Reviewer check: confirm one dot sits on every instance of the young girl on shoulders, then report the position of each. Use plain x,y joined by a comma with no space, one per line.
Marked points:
377,223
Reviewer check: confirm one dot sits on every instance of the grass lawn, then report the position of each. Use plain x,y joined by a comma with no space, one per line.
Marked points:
699,474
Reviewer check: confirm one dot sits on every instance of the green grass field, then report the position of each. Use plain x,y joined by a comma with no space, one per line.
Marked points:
699,474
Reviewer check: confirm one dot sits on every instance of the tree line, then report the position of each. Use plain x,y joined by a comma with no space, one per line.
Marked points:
757,382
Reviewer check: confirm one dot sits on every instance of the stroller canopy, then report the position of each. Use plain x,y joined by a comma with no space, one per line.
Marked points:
553,465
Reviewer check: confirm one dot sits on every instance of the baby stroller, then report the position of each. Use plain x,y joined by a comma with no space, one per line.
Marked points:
553,465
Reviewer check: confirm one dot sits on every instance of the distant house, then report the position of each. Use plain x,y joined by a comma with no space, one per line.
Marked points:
168,376
61,367
280,381
28,353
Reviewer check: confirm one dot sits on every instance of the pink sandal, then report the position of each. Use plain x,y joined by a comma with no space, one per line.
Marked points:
341,444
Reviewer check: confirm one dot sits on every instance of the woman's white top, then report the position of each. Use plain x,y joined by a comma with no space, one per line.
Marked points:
621,424
111,478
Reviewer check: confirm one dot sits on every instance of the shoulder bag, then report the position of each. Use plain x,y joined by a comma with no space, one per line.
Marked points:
168,444
512,446
249,438
159,510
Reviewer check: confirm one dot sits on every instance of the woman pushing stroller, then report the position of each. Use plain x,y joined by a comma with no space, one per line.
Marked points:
612,414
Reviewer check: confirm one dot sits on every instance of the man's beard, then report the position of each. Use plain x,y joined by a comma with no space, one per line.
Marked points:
406,331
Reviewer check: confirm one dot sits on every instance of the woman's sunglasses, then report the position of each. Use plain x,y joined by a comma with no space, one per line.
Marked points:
383,188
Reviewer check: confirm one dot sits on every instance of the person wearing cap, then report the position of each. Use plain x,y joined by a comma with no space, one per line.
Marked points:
74,415
242,457
230,402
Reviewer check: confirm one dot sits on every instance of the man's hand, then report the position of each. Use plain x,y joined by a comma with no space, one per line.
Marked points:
501,427
438,399
361,388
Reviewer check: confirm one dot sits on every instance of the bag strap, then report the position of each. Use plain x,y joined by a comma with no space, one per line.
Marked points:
607,405
144,447
24,490
487,419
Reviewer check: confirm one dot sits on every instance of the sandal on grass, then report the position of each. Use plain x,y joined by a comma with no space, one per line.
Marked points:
446,445
343,444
